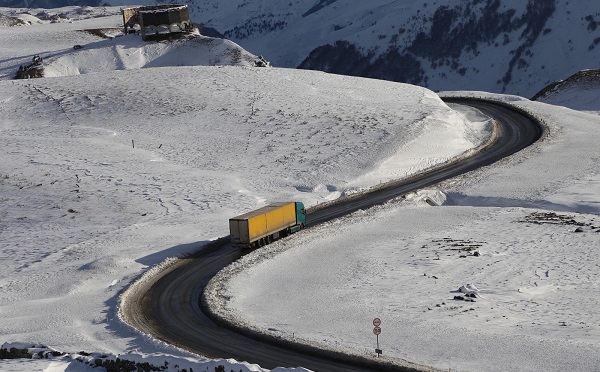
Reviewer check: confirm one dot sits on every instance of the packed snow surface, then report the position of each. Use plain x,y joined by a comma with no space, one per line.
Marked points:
106,173
502,276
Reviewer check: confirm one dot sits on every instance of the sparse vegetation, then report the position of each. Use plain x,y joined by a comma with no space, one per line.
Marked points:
261,24
442,38
540,218
592,24
345,58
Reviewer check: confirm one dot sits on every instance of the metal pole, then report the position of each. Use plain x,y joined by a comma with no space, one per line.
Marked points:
377,345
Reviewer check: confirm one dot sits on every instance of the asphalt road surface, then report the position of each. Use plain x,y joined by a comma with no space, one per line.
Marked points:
169,307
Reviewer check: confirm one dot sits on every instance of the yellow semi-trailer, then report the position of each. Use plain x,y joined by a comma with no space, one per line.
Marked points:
262,226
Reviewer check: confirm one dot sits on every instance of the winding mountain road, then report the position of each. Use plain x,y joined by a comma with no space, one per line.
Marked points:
169,306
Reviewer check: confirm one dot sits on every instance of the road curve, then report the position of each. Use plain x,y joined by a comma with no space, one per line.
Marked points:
168,307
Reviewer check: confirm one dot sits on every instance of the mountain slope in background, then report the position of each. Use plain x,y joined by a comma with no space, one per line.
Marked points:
579,92
101,45
508,46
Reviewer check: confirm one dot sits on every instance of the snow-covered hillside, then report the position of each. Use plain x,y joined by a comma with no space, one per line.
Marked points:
503,276
101,45
510,46
579,92
504,46
105,174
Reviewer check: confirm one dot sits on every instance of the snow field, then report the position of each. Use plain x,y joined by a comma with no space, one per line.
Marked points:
108,173
405,263
105,174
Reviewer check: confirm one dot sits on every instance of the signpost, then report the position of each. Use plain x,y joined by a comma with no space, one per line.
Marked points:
377,332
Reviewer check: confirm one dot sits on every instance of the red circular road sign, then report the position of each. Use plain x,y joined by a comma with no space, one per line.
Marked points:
376,322
377,330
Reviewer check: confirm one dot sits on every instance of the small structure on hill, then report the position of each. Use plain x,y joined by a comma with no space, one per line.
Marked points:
33,70
157,20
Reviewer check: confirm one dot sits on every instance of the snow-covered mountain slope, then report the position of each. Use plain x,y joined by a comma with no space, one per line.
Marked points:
102,48
579,92
107,173
131,52
518,236
511,46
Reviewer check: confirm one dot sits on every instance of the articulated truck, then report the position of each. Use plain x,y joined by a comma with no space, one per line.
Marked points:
262,226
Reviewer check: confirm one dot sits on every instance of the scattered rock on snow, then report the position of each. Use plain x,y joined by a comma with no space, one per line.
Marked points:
262,62
469,289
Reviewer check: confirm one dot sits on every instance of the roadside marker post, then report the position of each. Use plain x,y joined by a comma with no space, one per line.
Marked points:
377,332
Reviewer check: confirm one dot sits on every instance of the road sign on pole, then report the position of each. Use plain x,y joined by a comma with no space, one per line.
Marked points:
377,332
